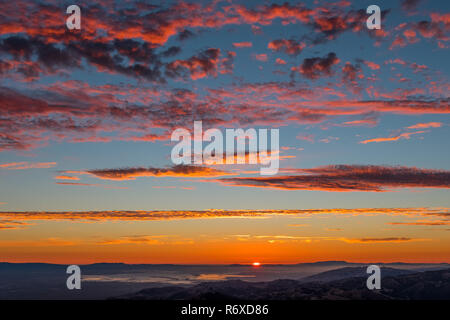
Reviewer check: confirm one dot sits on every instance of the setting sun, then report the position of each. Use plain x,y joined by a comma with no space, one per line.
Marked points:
256,264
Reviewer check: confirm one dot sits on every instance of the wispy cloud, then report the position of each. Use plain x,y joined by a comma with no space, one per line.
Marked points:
349,178
291,47
63,177
131,173
27,165
404,135
333,229
380,240
426,125
79,184
146,240
12,224
150,215
423,223
292,238
244,44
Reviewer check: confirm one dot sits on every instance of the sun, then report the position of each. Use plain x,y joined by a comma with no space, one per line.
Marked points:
256,264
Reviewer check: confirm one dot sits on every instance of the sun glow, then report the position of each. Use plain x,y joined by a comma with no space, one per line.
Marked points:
256,264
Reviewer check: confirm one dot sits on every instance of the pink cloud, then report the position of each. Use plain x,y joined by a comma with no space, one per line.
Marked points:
426,125
244,44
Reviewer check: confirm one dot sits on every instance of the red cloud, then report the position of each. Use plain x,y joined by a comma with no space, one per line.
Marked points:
372,65
245,44
291,47
405,135
261,57
149,215
200,66
133,173
313,68
73,111
426,125
349,178
63,177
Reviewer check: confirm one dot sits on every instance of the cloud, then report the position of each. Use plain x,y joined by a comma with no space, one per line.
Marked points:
410,35
227,63
401,106
7,224
305,137
418,67
199,66
372,65
76,112
316,67
423,223
349,178
350,76
349,72
140,41
398,42
89,185
405,135
27,165
63,177
291,47
104,56
329,139
159,25
244,44
437,28
379,240
285,238
20,218
409,5
144,239
132,173
369,121
426,125
261,57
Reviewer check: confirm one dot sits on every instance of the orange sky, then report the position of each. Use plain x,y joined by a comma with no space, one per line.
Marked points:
358,235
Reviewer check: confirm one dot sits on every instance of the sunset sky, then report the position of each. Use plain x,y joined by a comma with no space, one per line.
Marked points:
86,118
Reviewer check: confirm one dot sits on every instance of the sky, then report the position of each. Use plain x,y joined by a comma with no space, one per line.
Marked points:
86,118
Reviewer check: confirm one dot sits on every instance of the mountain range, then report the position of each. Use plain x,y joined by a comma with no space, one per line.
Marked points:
399,285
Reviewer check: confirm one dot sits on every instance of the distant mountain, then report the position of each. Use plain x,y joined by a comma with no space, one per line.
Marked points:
353,272
422,285
30,267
